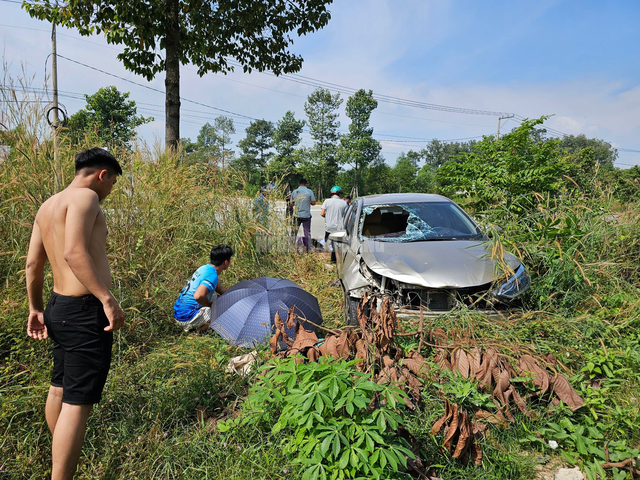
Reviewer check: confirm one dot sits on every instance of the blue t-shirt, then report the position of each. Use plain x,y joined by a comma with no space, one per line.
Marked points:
303,196
186,306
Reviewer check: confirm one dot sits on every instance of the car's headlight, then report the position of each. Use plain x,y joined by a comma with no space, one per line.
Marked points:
518,283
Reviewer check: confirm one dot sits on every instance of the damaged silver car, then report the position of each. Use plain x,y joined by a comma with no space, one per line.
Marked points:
424,252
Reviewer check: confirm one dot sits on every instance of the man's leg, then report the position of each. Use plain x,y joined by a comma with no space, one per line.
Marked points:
67,440
52,409
306,227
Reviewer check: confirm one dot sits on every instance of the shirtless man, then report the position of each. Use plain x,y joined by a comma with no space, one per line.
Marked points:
70,231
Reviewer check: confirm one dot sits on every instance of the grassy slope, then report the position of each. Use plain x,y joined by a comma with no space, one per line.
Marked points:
164,385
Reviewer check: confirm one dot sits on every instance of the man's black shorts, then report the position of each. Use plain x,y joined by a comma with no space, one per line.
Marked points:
81,347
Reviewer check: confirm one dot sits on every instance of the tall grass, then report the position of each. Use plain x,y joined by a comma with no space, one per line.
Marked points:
166,388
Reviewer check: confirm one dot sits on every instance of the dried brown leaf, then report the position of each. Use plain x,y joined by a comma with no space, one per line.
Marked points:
475,360
291,317
442,420
453,428
342,345
460,362
527,365
465,437
563,389
496,418
502,385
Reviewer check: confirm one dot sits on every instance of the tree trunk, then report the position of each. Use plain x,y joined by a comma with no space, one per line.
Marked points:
172,80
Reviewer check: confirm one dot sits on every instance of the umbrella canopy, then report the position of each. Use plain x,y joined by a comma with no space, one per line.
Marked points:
244,314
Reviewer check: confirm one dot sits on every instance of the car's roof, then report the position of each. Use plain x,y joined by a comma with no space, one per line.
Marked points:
392,198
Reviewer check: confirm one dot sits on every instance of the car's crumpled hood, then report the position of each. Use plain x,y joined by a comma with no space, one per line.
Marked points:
435,264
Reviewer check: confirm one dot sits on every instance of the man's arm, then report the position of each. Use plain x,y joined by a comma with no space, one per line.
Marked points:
36,259
201,295
220,289
80,221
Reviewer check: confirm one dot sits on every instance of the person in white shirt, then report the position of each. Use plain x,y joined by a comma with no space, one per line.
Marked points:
333,211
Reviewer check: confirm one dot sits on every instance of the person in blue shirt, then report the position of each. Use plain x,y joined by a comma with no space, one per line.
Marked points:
303,198
192,309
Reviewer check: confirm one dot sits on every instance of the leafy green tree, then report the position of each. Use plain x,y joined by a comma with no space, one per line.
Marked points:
207,143
208,34
511,171
254,147
108,112
378,177
224,128
286,137
426,179
405,171
437,153
603,153
321,108
359,148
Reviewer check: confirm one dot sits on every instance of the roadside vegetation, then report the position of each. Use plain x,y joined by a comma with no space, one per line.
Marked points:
170,410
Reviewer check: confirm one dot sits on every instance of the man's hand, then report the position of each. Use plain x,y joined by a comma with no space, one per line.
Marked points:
35,325
114,314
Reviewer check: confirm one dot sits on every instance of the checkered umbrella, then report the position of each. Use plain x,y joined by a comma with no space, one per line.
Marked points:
244,314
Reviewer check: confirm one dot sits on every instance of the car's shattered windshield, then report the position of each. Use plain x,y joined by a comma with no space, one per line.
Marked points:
414,222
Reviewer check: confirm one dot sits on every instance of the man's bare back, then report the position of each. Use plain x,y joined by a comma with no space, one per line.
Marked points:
71,233
68,209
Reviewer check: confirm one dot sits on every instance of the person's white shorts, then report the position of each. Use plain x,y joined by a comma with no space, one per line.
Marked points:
203,316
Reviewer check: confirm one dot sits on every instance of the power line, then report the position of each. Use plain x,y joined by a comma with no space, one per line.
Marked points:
156,89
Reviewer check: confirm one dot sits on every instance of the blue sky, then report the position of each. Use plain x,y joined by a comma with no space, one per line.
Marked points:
576,60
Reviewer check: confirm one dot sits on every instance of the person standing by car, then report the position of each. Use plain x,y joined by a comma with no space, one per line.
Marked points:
70,232
333,211
304,198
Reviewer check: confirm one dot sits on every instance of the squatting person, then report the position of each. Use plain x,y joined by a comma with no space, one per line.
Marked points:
71,233
192,309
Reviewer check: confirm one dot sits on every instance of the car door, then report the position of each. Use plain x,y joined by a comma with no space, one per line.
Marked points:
348,268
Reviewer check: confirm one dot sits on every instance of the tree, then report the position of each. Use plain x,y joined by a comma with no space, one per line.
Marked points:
286,137
437,153
223,128
255,148
208,34
358,146
426,179
404,172
321,109
207,144
110,115
512,171
604,154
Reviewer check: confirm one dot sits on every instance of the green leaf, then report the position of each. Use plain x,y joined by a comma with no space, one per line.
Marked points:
326,444
344,460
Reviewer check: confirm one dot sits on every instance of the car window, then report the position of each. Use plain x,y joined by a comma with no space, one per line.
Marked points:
418,221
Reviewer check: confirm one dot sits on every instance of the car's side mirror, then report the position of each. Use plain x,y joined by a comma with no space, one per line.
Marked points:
340,236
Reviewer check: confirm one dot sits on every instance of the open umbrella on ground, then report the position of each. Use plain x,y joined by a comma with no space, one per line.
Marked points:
244,315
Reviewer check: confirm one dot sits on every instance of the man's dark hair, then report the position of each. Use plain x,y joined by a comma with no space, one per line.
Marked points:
303,181
96,159
219,254
348,197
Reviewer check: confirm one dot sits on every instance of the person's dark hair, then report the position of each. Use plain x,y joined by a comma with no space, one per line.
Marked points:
219,254
348,197
96,159
303,181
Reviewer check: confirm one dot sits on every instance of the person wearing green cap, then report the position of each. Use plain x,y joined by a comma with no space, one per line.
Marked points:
333,210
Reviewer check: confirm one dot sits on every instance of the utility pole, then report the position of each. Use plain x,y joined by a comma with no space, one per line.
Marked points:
55,124
501,118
